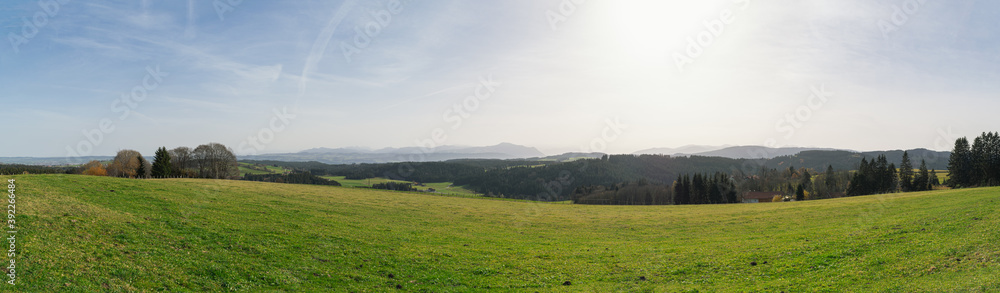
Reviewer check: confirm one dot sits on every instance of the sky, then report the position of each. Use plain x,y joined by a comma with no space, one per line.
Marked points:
84,78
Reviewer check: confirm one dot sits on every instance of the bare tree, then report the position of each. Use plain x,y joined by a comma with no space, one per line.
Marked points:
181,161
125,164
215,160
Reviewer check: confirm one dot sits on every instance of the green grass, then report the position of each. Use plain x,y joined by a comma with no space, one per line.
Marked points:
216,235
441,187
361,182
247,168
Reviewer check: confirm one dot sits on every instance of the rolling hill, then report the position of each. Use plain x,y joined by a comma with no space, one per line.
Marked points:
83,234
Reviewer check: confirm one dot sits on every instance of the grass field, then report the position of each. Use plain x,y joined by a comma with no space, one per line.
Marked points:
246,168
441,187
77,235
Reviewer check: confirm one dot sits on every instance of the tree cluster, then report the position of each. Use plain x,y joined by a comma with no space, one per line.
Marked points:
629,193
977,164
397,186
294,177
212,160
875,177
705,189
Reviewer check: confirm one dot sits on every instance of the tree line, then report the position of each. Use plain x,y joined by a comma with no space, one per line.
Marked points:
213,160
397,186
977,164
293,177
878,176
13,169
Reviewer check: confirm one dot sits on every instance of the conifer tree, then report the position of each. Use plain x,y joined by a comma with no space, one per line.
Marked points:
906,173
140,172
161,163
959,165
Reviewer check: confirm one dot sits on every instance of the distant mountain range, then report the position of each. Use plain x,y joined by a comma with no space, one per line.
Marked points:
816,158
727,151
681,151
407,154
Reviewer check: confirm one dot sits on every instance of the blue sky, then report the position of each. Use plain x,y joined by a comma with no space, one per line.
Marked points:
560,72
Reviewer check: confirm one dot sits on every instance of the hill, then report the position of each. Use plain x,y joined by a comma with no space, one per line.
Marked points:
408,154
214,235
849,160
756,152
684,150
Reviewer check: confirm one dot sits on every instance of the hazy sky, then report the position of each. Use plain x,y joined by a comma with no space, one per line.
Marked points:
895,74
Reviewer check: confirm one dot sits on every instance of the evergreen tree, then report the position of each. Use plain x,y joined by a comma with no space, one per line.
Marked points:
906,173
140,172
161,163
830,180
806,179
893,178
959,165
922,181
934,180
800,193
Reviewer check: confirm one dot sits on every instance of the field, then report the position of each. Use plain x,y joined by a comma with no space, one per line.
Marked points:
84,234
442,187
256,170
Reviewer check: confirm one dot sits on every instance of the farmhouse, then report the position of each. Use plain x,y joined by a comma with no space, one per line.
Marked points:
759,196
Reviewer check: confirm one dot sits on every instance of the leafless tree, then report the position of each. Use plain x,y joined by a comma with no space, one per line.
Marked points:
215,160
180,159
125,164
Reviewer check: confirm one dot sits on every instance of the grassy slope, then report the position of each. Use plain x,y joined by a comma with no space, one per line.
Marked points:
189,234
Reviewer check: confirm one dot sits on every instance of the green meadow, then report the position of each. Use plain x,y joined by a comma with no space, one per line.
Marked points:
90,234
440,187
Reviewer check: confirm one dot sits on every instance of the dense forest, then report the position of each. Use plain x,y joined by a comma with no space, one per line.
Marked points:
556,182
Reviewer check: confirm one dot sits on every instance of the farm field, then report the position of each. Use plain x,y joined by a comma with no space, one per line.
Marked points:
84,234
